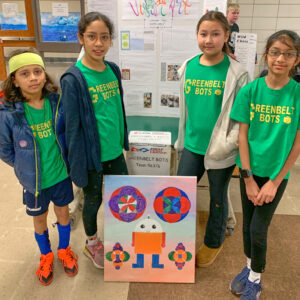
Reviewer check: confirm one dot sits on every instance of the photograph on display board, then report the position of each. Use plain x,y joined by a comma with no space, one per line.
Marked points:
169,100
147,100
149,228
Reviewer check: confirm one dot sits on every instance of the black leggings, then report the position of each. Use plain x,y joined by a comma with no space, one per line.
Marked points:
256,221
192,164
93,192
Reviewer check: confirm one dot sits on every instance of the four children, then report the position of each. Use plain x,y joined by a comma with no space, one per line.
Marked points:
215,124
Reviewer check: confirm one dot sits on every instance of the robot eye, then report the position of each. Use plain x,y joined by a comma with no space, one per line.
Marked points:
154,226
142,226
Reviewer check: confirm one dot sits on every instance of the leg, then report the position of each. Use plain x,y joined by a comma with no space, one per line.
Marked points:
216,224
139,261
259,228
92,201
116,166
155,262
191,164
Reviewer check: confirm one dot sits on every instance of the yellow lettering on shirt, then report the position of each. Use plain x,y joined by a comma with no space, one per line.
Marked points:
107,90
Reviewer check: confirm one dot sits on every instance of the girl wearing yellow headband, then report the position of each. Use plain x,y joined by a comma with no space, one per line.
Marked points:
32,142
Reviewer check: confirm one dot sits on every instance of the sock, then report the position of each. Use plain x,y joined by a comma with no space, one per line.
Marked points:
91,240
249,263
43,242
254,276
64,232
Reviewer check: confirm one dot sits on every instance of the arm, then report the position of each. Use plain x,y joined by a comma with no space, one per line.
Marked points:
252,188
74,130
7,151
269,189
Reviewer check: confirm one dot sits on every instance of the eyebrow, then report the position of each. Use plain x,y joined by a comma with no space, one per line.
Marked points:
289,49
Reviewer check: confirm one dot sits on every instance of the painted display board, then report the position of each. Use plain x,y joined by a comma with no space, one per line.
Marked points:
149,228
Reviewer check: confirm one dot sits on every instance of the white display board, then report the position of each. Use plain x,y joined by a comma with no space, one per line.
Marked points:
153,39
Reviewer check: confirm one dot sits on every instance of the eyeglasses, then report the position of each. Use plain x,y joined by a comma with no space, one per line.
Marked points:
104,38
286,55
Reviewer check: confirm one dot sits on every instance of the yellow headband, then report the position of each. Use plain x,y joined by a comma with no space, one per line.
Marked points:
24,59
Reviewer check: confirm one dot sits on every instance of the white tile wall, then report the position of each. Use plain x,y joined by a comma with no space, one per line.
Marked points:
266,1
289,10
264,17
265,11
246,10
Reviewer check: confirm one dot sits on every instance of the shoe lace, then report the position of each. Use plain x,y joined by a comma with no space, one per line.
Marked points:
250,288
45,266
98,245
68,257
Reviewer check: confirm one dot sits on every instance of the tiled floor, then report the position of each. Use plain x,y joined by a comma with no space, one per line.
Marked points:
19,253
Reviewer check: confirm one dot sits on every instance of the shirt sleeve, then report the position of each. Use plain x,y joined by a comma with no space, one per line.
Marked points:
241,107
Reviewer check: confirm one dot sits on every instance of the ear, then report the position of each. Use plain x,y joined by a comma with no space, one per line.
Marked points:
265,57
80,39
227,34
297,61
15,82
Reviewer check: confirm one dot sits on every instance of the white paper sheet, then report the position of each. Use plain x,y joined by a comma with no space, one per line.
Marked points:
60,9
245,51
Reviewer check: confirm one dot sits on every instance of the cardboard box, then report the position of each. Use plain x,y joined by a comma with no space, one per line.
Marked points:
149,153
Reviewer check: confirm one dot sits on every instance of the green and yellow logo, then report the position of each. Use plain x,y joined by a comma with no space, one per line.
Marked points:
218,92
287,120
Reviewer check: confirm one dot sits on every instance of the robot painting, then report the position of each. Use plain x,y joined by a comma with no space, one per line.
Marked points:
149,228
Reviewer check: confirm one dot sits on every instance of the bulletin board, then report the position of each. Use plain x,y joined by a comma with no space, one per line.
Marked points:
153,39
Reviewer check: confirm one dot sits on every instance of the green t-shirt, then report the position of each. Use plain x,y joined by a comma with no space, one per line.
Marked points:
53,167
105,94
274,118
203,90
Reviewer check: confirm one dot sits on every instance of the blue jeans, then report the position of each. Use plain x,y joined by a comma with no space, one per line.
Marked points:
256,221
93,192
192,164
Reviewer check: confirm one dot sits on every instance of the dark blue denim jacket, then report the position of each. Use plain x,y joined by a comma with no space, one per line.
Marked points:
82,136
18,147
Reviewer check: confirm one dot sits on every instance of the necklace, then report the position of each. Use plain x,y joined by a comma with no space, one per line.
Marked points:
30,117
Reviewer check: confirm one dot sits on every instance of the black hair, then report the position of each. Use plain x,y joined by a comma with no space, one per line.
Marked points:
221,19
287,37
90,17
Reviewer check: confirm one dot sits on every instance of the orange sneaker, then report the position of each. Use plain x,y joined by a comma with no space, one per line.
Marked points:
45,270
69,260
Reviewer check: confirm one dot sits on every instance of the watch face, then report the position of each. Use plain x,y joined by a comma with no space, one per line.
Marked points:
245,173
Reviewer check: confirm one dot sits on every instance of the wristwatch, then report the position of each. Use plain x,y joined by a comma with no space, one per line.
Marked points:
244,173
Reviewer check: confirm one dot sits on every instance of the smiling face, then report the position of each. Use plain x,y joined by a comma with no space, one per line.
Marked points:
281,64
148,225
96,41
31,80
211,38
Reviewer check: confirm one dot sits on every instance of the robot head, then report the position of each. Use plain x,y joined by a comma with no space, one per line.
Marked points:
148,225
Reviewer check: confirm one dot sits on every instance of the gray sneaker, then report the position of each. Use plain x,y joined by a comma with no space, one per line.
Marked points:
96,253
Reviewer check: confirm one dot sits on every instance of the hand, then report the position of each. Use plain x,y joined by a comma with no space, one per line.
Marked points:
252,189
267,193
232,55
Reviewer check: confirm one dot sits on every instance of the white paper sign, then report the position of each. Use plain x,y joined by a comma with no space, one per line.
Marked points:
9,10
60,9
245,51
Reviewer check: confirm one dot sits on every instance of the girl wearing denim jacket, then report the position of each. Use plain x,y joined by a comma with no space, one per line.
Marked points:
32,142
